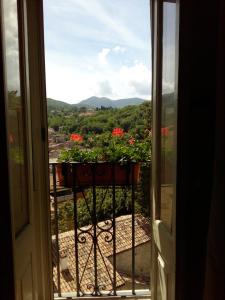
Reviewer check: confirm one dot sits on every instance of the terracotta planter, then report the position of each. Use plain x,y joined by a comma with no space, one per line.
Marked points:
99,174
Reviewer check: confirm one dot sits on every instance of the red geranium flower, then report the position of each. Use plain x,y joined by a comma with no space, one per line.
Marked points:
165,131
76,137
118,132
131,141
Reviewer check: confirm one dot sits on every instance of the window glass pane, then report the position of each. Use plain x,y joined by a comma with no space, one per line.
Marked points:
16,116
168,114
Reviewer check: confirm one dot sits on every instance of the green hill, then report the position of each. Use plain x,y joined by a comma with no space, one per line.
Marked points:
106,102
57,105
92,102
135,119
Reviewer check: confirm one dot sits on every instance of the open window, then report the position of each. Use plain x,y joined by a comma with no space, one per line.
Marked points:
28,118
165,71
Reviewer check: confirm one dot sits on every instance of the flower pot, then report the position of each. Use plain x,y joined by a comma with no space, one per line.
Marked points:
97,174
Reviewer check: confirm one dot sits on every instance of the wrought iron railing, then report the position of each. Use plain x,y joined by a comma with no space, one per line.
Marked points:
85,250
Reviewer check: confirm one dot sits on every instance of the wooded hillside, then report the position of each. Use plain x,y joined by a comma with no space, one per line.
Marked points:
135,119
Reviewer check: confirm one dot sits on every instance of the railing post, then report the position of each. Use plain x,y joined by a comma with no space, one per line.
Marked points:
133,226
114,228
94,220
56,227
75,228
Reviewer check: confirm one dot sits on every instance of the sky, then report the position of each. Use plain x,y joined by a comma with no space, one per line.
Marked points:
11,46
169,51
97,48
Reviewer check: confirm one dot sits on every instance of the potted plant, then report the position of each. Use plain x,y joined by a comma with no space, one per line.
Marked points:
114,159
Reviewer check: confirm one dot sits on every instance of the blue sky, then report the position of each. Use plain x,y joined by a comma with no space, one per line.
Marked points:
97,48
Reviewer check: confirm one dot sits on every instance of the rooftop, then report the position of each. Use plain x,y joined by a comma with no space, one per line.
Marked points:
104,250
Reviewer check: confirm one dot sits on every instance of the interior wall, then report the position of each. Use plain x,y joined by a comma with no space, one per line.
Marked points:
196,134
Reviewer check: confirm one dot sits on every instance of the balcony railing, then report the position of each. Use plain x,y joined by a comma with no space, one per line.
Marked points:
100,240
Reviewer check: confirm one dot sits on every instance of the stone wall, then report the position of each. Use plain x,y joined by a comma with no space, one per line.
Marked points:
142,260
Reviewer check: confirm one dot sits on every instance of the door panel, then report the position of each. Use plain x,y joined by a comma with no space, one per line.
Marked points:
23,86
164,148
168,114
27,283
161,279
164,243
24,287
19,149
18,162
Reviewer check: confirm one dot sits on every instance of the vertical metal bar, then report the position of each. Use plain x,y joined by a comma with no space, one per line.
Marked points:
133,226
114,227
94,220
75,228
56,228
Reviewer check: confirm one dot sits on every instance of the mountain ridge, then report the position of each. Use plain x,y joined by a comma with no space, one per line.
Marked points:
95,102
107,102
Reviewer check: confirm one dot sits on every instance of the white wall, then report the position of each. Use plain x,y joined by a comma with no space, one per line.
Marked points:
142,260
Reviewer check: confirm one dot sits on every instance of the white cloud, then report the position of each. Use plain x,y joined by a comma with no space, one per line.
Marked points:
12,47
141,87
105,88
102,56
71,82
169,61
167,87
136,80
119,49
